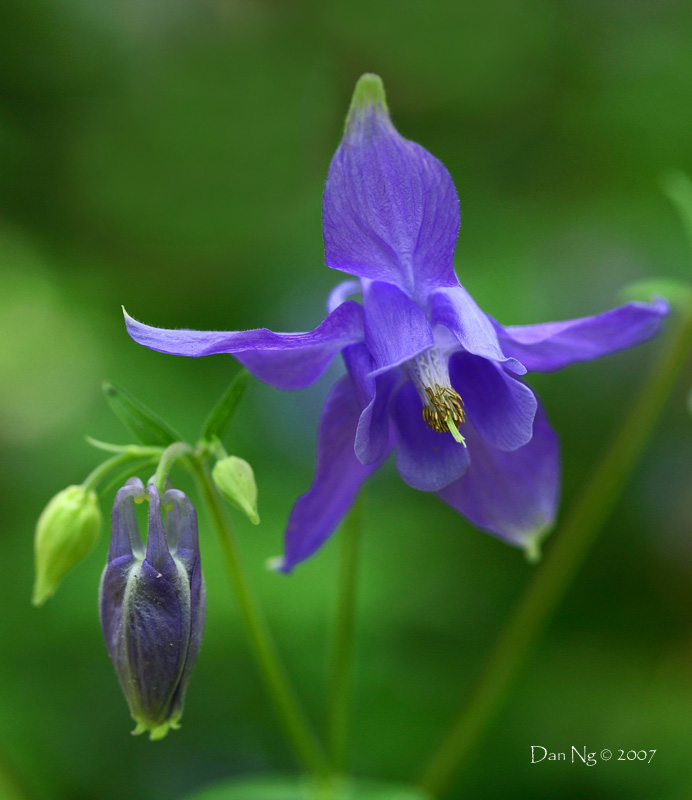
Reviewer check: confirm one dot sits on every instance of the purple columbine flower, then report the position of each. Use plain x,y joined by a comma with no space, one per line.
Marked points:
429,373
152,604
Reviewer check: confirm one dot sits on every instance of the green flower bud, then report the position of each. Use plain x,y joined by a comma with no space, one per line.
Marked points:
66,533
235,480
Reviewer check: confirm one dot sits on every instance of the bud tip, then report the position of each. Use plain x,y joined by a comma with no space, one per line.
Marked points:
369,94
533,549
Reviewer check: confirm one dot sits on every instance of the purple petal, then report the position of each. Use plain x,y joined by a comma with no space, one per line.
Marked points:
340,294
511,494
396,328
500,406
426,460
458,312
390,210
552,345
111,598
152,611
158,554
125,538
198,605
285,360
181,528
373,434
338,477
146,627
156,639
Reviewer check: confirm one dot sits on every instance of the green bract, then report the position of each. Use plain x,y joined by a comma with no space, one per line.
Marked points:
235,480
144,423
66,533
218,420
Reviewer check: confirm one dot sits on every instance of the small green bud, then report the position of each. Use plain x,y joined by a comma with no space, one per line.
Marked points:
66,533
235,480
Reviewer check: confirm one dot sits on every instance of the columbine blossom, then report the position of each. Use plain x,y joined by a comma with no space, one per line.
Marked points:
152,604
429,374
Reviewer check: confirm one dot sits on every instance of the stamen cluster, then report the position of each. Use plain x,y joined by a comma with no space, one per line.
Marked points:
445,405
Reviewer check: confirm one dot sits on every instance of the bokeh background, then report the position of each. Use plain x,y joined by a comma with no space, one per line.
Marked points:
170,156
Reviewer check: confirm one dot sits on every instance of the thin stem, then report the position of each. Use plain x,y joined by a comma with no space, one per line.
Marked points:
119,479
338,708
171,454
135,454
552,579
282,693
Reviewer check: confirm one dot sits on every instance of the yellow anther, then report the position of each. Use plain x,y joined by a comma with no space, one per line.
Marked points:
444,411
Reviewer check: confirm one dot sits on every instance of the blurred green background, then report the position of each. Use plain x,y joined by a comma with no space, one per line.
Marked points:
170,156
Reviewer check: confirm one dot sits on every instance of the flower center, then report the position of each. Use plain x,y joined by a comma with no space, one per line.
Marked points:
443,408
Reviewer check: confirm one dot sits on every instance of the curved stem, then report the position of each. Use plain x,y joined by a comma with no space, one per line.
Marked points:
338,708
282,693
134,454
552,579
171,454
119,478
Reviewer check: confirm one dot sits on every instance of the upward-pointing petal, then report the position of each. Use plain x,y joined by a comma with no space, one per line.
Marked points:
125,538
181,527
390,209
284,360
158,554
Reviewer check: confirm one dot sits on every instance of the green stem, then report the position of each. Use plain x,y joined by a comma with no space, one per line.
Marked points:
338,709
119,479
552,579
135,454
171,454
282,693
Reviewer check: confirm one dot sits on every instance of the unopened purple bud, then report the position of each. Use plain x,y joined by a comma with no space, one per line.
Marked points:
152,604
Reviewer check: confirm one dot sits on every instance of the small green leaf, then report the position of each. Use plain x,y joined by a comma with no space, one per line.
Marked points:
676,292
218,420
134,449
147,426
678,187
295,788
